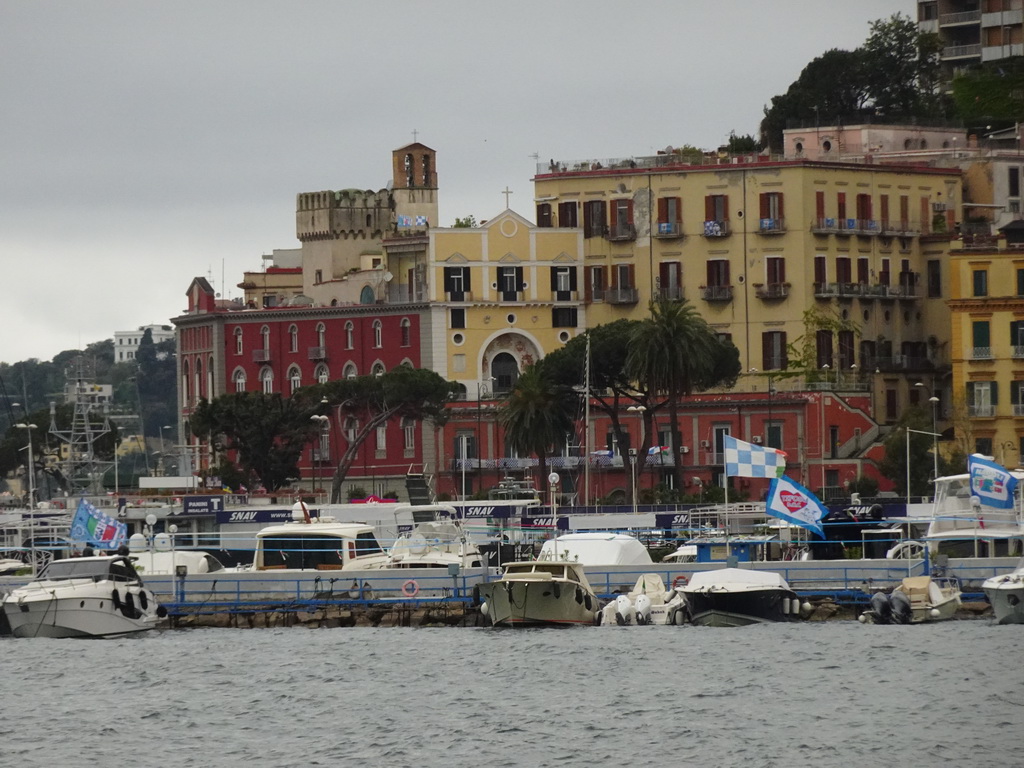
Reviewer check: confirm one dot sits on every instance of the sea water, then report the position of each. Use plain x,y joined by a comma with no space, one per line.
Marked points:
816,694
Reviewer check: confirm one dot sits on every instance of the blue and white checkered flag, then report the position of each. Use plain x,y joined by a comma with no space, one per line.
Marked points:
748,460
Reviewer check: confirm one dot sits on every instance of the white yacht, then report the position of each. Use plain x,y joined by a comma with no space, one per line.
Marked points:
100,596
434,544
1006,595
540,593
963,525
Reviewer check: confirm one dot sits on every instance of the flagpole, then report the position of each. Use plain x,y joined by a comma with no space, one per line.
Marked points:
725,475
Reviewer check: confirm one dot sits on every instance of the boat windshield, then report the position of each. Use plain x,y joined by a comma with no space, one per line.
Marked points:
61,570
306,550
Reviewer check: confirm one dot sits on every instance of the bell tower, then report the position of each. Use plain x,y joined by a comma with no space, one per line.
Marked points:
414,186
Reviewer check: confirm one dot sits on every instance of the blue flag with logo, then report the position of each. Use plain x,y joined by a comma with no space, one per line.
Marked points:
990,482
91,526
788,500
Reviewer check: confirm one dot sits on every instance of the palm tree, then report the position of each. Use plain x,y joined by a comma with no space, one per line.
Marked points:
674,351
537,415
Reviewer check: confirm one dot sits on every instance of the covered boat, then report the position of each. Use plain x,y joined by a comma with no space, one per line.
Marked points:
732,597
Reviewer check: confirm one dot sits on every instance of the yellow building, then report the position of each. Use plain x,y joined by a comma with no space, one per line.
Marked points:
987,303
755,243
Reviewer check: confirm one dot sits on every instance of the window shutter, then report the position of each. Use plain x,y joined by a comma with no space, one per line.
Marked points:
709,208
782,210
632,279
725,264
764,205
841,205
766,351
615,212
711,274
663,275
785,350
725,208
520,285
615,279
447,279
926,216
629,211
883,206
554,278
588,284
467,285
819,204
970,393
662,209
995,392
572,278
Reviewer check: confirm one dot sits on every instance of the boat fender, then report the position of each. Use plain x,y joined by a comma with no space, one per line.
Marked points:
1012,599
579,596
128,609
680,581
410,588
557,589
476,594
116,597
143,600
587,602
161,611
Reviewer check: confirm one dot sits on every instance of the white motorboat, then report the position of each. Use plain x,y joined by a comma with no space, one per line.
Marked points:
649,602
964,525
918,599
596,548
100,596
317,544
539,593
434,544
1006,595
733,597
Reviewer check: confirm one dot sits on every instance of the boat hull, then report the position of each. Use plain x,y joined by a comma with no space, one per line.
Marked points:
737,609
75,616
1007,600
538,603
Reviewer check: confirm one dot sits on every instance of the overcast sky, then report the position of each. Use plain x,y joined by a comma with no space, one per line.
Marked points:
145,143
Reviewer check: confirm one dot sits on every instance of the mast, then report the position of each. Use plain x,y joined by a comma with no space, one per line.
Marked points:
586,428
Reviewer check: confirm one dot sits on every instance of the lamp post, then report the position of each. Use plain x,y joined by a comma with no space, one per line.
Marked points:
31,493
935,438
325,427
481,390
639,410
163,446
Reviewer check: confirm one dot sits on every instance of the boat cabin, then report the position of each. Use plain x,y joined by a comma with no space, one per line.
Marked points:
92,568
321,545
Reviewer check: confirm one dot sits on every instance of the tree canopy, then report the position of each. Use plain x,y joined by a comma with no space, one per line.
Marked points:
893,75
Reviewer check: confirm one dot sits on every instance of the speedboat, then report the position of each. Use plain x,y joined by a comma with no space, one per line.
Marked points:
916,600
734,597
1006,595
539,593
100,596
649,602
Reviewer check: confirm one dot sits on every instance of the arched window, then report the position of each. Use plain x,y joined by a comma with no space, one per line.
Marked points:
408,433
350,371
410,171
294,379
185,388
239,380
293,338
238,341
378,369
210,394
322,374
351,428
426,170
199,380
321,335
378,334
505,371
406,332
265,336
267,380
367,296
350,332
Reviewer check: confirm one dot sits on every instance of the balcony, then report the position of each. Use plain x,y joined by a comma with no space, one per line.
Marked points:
671,292
666,230
867,227
621,232
824,226
838,290
1018,410
772,226
981,353
846,227
261,355
956,19
772,291
317,353
595,229
460,295
621,296
1018,352
321,455
981,411
716,292
961,52
716,228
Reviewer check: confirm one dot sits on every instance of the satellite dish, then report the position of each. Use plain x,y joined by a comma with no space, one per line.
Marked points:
388,277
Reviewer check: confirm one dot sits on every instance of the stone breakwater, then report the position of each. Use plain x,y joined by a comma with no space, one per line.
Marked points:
440,614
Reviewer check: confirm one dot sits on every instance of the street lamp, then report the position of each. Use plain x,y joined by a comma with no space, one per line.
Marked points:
639,410
325,428
935,438
31,492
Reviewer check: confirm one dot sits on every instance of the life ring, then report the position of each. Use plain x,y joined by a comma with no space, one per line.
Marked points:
410,588
680,581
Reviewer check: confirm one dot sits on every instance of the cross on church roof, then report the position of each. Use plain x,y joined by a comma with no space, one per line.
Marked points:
506,192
